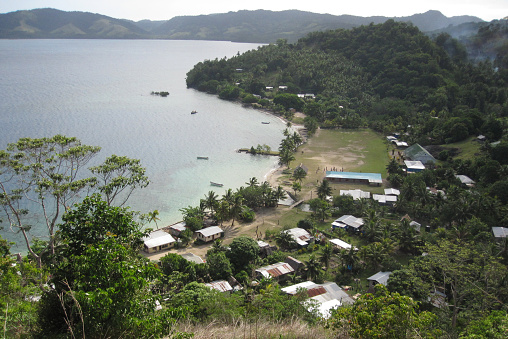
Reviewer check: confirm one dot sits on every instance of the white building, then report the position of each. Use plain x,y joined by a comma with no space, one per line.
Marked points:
157,241
210,233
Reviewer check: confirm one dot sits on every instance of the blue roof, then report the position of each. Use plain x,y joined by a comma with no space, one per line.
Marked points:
354,175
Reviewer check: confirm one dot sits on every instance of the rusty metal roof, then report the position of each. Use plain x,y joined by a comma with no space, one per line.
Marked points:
312,292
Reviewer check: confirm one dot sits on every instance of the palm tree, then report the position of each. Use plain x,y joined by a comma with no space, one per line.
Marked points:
313,267
279,194
299,174
252,182
285,240
236,207
297,187
211,201
154,216
349,258
286,157
326,255
324,190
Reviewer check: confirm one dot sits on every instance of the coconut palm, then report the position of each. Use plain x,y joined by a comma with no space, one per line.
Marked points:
252,182
236,207
324,190
285,240
312,267
297,187
299,174
211,201
154,216
326,255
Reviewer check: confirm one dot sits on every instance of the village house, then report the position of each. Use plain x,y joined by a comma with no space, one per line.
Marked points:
373,179
418,153
392,191
348,222
279,271
500,233
158,241
340,244
356,194
220,285
327,296
378,278
210,233
177,229
414,166
465,180
300,236
384,199
265,249
193,258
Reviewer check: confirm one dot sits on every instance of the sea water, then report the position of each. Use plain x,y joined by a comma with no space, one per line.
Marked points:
100,92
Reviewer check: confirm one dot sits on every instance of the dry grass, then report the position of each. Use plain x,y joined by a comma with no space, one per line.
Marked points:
290,329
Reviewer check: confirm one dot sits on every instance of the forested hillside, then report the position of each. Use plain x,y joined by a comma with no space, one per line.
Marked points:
387,76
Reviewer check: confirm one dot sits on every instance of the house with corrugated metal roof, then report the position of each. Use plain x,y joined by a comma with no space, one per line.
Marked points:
210,233
356,194
300,236
378,278
348,222
323,297
158,241
418,153
279,271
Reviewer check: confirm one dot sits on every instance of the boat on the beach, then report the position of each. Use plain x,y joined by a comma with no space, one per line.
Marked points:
203,158
193,112
216,184
265,122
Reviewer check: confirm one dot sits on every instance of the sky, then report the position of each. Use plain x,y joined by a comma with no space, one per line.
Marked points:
166,9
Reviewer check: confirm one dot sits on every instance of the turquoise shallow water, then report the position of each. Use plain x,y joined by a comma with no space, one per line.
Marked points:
99,91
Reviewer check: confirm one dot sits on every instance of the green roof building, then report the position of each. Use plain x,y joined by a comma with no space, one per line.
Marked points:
418,153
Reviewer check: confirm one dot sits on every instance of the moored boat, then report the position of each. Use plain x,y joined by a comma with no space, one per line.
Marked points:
193,112
265,122
203,158
216,184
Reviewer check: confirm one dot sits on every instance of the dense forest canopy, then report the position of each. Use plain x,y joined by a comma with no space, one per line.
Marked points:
391,74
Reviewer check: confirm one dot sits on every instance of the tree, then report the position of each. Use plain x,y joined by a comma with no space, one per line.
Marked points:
285,240
102,287
297,187
313,268
219,266
311,124
236,207
242,251
320,208
299,174
119,177
286,156
471,276
383,315
211,201
153,217
93,220
45,175
326,255
324,190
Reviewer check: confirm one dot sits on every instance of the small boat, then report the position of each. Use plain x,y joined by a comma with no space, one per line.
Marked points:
193,112
265,122
203,158
216,184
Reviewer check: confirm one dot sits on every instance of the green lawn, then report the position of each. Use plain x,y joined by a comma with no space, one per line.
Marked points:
468,148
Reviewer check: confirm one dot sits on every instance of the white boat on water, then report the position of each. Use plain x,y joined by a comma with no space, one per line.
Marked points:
216,184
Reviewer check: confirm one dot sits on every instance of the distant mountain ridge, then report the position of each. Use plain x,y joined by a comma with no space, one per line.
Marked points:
260,26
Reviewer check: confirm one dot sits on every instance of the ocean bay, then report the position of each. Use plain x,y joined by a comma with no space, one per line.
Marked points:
99,91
